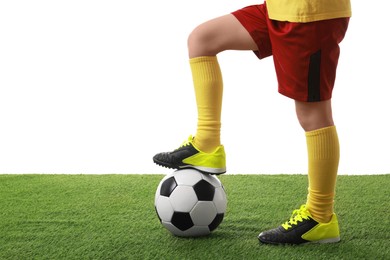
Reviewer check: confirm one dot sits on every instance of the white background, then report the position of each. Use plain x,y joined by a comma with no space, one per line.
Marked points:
101,86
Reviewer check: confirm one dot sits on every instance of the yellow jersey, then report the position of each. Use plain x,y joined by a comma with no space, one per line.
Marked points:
302,11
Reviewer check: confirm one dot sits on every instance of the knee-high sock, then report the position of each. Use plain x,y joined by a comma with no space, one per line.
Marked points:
208,85
323,158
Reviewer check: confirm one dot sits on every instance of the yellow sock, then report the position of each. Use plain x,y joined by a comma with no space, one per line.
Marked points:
323,157
208,87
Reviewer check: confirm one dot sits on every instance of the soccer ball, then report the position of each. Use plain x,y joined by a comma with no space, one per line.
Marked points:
189,203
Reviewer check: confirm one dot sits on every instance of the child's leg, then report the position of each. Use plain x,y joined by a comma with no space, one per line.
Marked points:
208,87
305,64
204,43
204,152
315,221
323,156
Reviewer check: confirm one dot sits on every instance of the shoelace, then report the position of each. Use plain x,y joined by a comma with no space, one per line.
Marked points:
298,215
186,142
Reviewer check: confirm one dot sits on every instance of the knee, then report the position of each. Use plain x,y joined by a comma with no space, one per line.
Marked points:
195,43
307,121
198,43
314,116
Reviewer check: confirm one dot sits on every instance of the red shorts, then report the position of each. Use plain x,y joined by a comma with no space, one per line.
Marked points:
305,54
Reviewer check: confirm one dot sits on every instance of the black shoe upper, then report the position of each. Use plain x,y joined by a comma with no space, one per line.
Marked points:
292,235
174,159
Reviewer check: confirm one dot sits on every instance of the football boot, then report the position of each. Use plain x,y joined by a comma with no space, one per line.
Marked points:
302,228
188,156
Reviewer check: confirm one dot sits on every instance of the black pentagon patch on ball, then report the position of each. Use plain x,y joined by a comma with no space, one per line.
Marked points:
217,220
204,190
182,220
168,186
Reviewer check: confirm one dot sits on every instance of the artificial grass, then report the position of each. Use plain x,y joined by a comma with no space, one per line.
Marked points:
113,217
